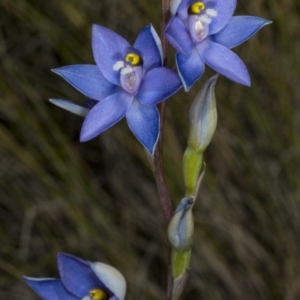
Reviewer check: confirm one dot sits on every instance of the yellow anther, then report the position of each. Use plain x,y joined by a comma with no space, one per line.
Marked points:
196,8
134,59
97,294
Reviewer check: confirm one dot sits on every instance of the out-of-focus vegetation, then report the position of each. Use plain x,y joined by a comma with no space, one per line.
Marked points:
98,200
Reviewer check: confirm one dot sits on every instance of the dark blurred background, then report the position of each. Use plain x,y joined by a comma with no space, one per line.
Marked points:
98,200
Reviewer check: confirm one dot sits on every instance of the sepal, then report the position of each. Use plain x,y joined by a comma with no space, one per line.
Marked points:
70,106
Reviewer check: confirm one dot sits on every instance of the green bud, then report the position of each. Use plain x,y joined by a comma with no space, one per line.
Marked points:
181,226
203,123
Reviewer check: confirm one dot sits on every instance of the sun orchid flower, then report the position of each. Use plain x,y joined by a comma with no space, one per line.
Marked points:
203,32
82,280
126,81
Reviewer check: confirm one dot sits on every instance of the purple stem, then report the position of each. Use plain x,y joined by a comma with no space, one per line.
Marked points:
163,191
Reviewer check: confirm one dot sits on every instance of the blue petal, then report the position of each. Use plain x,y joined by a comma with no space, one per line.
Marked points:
238,30
77,275
144,123
49,289
105,114
146,44
87,79
70,106
158,85
190,68
108,48
179,36
224,61
225,10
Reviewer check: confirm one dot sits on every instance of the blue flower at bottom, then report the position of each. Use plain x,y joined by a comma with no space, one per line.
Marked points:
203,33
127,81
80,280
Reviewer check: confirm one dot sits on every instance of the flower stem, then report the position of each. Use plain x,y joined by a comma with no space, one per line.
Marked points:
163,191
164,194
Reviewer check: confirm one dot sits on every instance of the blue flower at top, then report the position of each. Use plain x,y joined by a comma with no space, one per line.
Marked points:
127,81
203,33
80,280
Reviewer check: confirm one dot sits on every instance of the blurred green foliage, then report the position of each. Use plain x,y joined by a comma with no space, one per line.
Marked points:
98,200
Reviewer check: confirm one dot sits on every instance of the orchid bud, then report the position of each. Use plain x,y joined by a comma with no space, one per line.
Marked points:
203,123
180,234
203,116
181,226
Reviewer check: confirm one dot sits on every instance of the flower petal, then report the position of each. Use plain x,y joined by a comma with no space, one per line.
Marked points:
146,43
77,275
105,114
108,48
179,36
190,68
144,123
49,289
224,61
225,10
70,106
111,278
158,85
87,79
238,30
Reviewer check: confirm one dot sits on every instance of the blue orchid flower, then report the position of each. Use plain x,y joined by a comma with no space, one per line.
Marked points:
80,280
203,33
127,81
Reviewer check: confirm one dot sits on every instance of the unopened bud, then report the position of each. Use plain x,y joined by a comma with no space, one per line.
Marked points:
203,116
181,226
203,123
